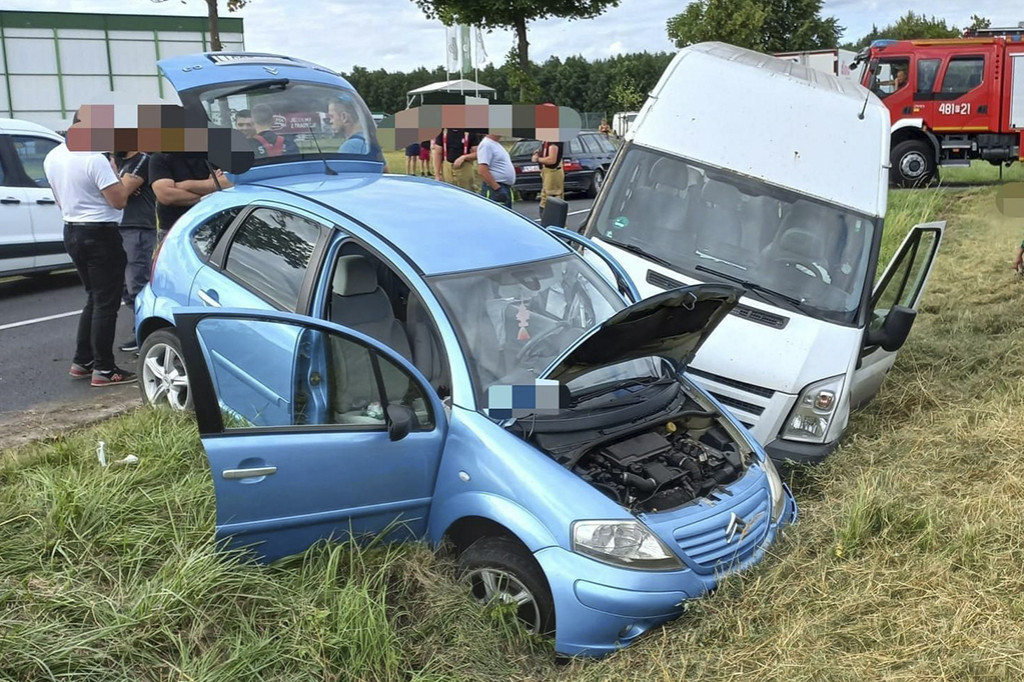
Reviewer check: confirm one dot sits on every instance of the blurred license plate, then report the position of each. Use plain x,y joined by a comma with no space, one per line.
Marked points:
531,169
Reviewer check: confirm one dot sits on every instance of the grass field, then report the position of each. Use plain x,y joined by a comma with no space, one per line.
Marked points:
905,563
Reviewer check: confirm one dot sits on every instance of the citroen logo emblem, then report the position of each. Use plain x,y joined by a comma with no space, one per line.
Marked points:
271,70
736,525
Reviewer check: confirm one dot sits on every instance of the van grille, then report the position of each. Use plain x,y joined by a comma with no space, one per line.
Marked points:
746,312
725,381
705,543
738,404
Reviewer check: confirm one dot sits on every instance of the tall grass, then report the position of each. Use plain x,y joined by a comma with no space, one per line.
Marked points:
905,563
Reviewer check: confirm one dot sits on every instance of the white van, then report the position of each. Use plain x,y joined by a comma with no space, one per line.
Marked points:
749,169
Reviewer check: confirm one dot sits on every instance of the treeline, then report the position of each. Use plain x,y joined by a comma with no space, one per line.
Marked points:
605,85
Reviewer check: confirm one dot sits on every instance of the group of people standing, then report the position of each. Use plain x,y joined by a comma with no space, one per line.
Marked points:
112,205
454,151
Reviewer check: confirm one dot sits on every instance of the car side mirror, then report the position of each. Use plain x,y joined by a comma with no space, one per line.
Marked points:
556,213
400,421
895,329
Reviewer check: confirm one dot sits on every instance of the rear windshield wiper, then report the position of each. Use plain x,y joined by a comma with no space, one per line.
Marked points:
633,248
766,293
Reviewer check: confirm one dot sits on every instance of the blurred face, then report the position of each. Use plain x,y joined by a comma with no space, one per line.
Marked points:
339,120
901,77
246,125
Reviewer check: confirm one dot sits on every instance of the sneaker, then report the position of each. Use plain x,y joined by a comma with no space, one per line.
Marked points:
113,376
78,371
129,346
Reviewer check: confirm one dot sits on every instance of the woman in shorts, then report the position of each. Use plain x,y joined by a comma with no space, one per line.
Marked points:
412,155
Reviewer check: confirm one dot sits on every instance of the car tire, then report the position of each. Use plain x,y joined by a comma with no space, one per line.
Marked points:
912,164
163,377
595,183
500,569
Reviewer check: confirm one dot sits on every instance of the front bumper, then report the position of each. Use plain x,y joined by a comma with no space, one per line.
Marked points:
601,608
782,451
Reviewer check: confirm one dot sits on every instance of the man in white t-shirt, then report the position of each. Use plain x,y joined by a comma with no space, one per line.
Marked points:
496,170
91,197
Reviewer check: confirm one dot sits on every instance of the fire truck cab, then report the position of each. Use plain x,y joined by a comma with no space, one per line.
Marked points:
950,101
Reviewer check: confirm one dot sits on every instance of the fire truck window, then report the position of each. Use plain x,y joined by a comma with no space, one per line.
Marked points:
892,75
927,69
963,74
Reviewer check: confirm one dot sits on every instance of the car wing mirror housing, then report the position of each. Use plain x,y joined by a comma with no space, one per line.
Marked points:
400,421
895,330
556,213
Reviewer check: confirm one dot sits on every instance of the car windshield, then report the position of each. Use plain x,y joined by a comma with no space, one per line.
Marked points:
286,120
515,320
711,224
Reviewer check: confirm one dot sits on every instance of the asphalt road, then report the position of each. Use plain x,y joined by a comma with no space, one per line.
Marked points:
38,321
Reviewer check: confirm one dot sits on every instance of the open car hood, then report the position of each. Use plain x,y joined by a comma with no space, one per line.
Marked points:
671,325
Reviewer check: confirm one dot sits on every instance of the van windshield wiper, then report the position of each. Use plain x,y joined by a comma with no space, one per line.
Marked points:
769,295
645,382
633,248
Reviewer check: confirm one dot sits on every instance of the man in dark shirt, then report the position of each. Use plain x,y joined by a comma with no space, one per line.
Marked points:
138,231
454,151
179,180
266,139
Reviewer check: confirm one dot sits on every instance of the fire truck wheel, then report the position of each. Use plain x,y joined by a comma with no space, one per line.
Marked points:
913,163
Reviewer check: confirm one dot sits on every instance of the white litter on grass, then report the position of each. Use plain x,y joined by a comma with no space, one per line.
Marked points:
130,459
101,453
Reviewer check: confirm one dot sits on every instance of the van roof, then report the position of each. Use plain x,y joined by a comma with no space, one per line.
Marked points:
771,119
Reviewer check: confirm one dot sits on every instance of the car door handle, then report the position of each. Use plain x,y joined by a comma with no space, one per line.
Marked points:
9,200
254,472
209,297
45,201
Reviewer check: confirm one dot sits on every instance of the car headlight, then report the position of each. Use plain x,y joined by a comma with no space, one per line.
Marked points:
623,543
775,484
810,417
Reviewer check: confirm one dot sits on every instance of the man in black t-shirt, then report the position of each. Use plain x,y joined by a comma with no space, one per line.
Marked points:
138,231
179,180
454,151
269,143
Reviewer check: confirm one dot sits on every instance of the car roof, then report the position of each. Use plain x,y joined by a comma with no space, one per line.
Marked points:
17,125
439,227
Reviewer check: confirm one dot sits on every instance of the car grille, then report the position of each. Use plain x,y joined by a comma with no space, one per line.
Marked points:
737,404
705,543
742,385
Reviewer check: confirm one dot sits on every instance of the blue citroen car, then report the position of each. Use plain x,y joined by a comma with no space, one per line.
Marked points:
366,355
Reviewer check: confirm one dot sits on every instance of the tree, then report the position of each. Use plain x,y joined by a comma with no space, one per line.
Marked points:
978,22
214,18
737,22
910,26
795,25
512,14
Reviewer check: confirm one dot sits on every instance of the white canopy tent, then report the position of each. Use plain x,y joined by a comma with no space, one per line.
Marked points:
462,86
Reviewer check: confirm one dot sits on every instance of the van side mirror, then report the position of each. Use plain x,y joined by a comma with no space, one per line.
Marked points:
400,421
895,329
556,213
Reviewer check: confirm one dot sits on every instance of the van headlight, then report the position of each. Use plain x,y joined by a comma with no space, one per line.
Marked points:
810,418
623,543
775,485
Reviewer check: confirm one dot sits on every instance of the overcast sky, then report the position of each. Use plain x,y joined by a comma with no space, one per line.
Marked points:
394,35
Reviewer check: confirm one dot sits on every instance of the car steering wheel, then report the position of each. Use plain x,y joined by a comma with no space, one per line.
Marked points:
805,267
531,345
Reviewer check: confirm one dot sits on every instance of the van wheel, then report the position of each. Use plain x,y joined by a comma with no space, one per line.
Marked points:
499,572
912,164
163,378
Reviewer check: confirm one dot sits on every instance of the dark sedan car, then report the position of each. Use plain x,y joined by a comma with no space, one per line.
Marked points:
585,160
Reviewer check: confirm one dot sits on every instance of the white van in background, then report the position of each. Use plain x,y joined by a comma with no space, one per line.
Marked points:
622,121
749,169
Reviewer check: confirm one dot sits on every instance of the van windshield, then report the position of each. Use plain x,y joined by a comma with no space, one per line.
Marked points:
709,224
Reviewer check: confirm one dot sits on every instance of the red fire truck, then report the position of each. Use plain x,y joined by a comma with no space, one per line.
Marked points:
951,101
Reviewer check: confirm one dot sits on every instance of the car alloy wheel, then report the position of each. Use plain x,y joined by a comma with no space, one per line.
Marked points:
492,586
164,378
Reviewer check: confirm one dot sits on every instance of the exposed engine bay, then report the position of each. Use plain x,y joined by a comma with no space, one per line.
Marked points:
676,455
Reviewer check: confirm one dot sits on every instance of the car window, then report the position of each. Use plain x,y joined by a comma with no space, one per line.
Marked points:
575,147
268,373
206,236
591,144
270,253
31,152
962,75
606,144
927,69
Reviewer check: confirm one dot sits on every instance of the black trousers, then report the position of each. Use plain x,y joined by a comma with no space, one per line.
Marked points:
98,255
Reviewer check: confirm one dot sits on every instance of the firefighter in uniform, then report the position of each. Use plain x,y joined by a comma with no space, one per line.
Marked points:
454,151
552,176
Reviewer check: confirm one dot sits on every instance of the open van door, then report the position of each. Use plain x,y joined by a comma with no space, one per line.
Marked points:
893,308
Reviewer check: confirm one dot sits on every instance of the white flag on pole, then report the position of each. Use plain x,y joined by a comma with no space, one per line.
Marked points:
467,49
451,38
480,44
